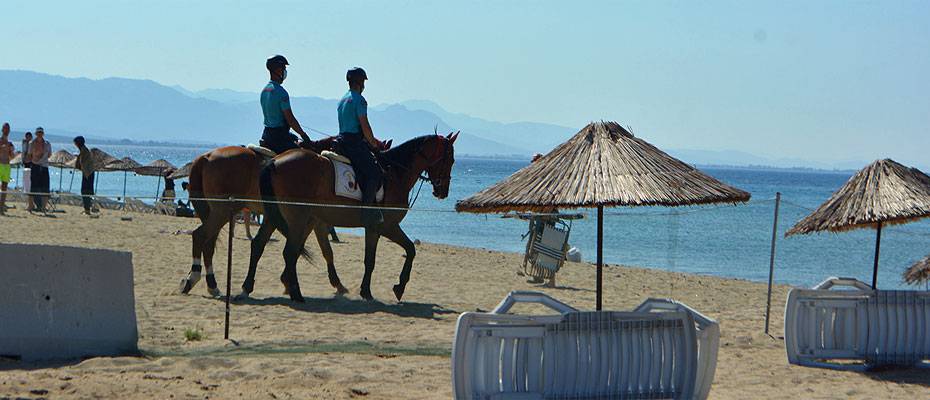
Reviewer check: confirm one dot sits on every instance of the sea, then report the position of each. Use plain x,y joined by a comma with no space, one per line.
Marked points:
731,241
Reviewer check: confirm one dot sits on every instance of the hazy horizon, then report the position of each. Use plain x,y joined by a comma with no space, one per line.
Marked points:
826,81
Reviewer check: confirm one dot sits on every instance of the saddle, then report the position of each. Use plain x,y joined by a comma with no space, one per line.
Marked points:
344,178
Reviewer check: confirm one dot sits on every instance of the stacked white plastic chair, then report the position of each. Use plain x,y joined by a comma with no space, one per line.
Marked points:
874,327
663,349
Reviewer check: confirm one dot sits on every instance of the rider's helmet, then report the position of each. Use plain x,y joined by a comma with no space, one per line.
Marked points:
276,61
356,73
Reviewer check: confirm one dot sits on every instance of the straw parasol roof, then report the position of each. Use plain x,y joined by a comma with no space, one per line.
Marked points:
602,165
61,158
156,168
182,172
883,192
919,272
125,164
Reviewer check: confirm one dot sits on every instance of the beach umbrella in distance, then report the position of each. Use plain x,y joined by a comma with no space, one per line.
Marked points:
603,165
883,193
101,159
919,272
182,172
126,165
61,159
160,168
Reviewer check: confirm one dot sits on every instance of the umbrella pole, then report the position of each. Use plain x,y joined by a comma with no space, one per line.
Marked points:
768,301
71,183
125,175
600,256
60,176
157,188
878,242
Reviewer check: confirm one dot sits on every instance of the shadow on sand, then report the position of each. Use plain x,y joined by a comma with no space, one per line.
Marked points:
901,375
344,305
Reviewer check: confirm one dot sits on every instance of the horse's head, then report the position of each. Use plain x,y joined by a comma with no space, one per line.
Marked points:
440,155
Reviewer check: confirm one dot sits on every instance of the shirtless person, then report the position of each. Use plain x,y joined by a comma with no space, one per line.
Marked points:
6,154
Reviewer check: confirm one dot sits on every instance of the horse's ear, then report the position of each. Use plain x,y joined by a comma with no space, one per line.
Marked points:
453,136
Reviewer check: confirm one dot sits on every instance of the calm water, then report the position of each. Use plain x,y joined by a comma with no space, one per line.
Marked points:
731,241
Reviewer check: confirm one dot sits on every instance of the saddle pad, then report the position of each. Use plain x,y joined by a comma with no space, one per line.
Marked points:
345,182
336,157
264,151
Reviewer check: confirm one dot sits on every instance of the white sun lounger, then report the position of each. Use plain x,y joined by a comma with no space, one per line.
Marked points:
876,327
661,350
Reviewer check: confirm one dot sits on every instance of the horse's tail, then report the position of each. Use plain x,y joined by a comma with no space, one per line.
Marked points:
201,207
272,212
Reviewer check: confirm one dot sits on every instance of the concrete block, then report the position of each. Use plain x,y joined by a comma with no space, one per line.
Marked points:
60,302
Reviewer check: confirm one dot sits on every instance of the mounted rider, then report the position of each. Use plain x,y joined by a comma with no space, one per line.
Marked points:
357,142
276,107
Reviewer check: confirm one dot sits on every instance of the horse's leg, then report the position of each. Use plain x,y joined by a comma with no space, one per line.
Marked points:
197,241
372,235
322,237
208,249
397,235
257,249
298,222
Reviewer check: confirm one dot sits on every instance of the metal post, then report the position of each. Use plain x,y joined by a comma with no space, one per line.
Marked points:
61,171
878,242
71,181
157,188
600,256
232,225
125,176
768,302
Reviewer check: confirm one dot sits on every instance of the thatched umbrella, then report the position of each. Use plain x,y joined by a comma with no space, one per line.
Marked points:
182,172
603,165
60,159
160,168
919,272
126,165
883,193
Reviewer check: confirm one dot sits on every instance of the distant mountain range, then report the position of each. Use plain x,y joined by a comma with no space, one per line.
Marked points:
144,110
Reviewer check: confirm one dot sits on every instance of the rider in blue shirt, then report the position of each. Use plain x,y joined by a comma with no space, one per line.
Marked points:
357,142
276,108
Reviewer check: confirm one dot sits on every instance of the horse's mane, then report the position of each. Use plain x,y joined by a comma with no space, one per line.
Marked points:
403,153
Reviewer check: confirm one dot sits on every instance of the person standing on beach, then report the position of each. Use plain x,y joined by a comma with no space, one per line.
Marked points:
6,154
85,163
27,170
276,107
41,149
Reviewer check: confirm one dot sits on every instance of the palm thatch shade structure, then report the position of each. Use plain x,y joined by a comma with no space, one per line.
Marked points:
883,193
126,165
182,172
156,168
159,168
60,159
919,272
602,165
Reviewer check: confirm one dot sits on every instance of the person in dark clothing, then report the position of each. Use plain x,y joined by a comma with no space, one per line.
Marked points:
85,163
276,108
357,142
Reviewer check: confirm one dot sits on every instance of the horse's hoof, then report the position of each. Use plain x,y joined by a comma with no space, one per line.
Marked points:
242,296
214,292
366,295
398,292
296,296
341,290
188,283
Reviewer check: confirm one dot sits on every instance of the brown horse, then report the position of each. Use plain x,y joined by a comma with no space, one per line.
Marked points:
307,177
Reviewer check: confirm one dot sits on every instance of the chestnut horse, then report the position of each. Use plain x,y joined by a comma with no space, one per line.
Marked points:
210,175
306,177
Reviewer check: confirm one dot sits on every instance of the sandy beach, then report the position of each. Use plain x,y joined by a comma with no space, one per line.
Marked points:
344,347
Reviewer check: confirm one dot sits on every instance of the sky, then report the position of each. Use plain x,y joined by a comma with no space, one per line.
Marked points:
824,80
